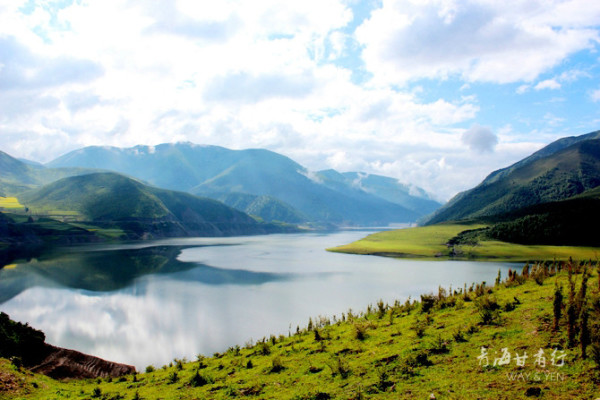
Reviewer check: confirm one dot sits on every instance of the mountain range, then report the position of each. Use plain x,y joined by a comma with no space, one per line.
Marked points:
183,189
261,182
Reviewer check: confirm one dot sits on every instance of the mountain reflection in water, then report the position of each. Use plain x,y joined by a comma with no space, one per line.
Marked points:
109,270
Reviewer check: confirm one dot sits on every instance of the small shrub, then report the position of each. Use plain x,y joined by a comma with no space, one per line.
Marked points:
381,308
419,328
418,359
199,380
17,362
481,289
489,310
360,331
427,302
459,337
489,317
150,368
448,302
511,305
97,392
539,278
439,346
557,305
339,367
173,377
406,370
276,365
264,348
472,329
383,381
318,336
249,364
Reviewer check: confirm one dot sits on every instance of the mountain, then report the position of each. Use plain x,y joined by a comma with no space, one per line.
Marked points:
215,171
390,189
17,176
561,170
267,208
112,200
548,150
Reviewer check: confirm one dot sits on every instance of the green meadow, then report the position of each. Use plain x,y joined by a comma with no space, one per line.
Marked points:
478,342
430,242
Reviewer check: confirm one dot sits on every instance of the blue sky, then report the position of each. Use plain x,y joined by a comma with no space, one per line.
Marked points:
436,93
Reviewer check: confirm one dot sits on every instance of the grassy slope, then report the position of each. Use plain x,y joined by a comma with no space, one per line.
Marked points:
387,363
430,242
96,196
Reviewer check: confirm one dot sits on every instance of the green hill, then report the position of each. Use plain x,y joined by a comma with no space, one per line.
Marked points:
215,171
557,172
111,200
17,176
571,222
267,208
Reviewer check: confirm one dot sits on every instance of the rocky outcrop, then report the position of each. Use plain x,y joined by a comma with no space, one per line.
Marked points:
62,363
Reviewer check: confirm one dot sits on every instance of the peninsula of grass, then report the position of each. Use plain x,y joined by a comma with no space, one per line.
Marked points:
535,334
444,241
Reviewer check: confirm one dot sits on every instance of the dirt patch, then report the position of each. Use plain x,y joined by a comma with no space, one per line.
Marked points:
62,363
9,383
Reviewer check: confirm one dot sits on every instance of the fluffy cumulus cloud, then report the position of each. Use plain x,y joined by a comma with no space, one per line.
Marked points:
480,139
479,40
326,82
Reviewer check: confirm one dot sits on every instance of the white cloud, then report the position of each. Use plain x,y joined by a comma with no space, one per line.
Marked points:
480,139
269,74
595,95
476,40
523,89
551,84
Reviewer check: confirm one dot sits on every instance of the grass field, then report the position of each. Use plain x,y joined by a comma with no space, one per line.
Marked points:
429,242
10,203
399,351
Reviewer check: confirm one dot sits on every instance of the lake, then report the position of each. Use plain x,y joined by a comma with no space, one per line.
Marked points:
147,303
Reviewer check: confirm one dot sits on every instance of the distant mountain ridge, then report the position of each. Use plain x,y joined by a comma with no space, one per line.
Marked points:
268,208
389,189
216,171
562,170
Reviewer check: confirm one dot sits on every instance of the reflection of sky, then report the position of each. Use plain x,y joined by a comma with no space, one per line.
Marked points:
160,317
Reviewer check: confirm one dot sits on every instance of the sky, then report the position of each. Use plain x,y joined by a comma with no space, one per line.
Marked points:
435,93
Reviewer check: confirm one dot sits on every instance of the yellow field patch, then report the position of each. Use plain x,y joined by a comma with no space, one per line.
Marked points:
10,202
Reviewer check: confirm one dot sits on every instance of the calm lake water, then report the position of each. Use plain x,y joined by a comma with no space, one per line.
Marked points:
148,303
